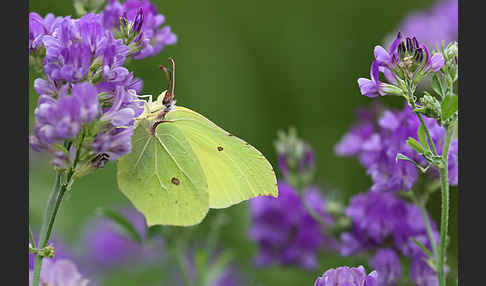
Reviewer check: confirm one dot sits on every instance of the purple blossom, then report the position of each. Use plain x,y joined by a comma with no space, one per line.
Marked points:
387,263
435,26
92,32
410,224
115,142
105,246
376,142
378,217
347,276
36,31
59,273
153,38
374,216
287,237
372,87
62,118
421,274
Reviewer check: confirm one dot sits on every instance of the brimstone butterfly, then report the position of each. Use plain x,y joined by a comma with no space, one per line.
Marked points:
182,164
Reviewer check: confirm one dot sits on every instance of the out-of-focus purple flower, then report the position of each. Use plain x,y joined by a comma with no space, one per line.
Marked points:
373,216
377,141
421,274
432,27
379,216
105,246
287,237
62,272
347,276
387,263
411,225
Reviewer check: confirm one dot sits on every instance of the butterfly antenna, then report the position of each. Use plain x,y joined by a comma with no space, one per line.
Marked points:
166,73
172,63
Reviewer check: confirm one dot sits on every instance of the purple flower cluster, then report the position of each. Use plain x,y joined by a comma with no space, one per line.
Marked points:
153,37
435,26
406,58
87,94
284,230
378,217
376,141
387,263
62,272
347,276
106,247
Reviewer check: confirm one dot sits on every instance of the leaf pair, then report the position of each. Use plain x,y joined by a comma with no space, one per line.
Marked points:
180,168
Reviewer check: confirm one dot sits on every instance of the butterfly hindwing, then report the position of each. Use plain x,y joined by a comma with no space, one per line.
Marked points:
235,171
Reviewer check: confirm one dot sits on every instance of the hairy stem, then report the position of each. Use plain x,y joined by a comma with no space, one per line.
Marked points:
444,217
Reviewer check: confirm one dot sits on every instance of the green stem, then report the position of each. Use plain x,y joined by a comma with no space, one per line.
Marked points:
444,217
431,142
422,205
53,205
48,221
31,238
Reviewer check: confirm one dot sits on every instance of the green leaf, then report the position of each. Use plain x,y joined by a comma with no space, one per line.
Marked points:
449,106
125,225
422,136
437,85
400,156
415,145
429,254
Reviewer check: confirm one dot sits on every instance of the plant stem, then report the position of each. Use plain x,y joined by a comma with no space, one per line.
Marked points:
444,217
431,142
421,204
48,221
53,205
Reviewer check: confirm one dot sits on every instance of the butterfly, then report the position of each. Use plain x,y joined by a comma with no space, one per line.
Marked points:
182,164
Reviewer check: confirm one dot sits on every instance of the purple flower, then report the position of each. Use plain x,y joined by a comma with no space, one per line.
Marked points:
410,224
421,274
305,162
374,215
153,37
387,263
92,32
347,276
44,87
373,87
377,141
105,246
59,273
435,26
287,237
115,142
36,31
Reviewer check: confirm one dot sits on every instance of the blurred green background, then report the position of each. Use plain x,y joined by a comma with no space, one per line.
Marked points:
254,67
